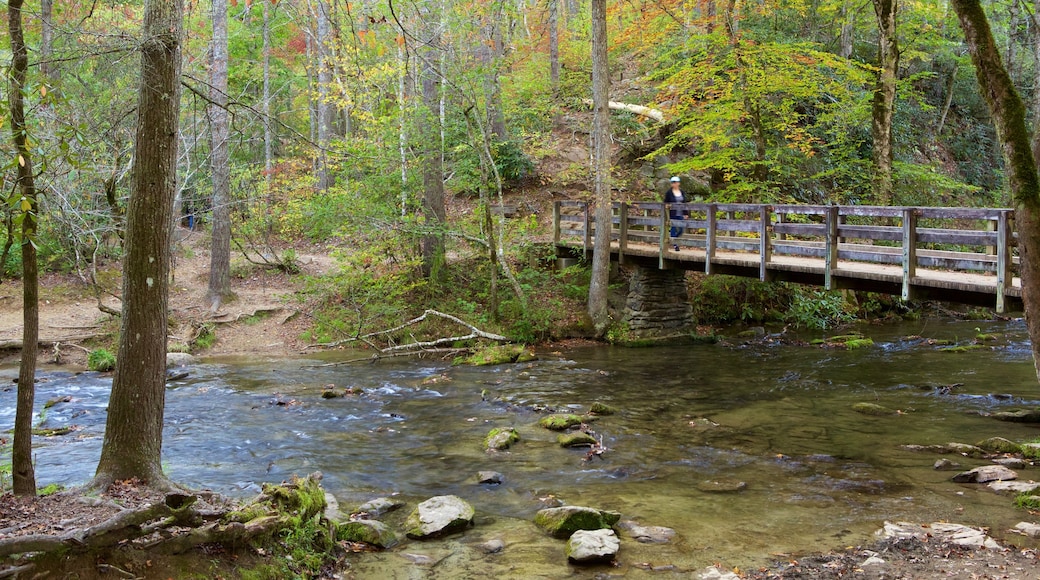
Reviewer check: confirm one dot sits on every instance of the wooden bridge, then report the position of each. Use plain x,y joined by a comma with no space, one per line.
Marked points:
952,254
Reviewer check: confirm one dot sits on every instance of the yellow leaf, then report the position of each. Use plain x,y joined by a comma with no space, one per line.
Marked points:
26,206
43,90
21,160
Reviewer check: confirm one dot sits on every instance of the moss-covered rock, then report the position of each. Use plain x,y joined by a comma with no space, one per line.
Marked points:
961,348
873,409
561,522
371,532
499,354
999,445
501,438
560,422
576,439
602,409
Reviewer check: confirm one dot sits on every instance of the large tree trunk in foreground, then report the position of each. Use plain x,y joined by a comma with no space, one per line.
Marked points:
1009,116
220,169
22,473
884,104
598,285
133,431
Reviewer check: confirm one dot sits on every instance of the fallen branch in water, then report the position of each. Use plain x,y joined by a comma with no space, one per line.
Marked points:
417,346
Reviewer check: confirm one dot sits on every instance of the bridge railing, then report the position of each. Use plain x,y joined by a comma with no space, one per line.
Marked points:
963,239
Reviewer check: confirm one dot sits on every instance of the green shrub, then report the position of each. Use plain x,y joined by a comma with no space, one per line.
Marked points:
819,309
101,360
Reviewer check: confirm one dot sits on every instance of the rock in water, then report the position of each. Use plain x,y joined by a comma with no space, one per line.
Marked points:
561,522
491,477
578,439
999,445
1024,416
176,359
378,506
647,534
560,422
500,439
1027,529
371,532
592,546
873,409
438,516
985,473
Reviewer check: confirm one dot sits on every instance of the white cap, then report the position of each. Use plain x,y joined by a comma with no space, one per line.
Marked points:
675,179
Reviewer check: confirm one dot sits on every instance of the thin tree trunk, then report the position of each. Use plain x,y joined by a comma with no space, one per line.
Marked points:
22,473
220,241
133,431
947,101
1021,157
433,170
883,108
325,110
402,129
268,133
599,283
554,45
1035,28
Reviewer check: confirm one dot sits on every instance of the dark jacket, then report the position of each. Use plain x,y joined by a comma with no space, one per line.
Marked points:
676,214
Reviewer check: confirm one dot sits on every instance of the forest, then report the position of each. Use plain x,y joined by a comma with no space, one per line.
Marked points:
419,145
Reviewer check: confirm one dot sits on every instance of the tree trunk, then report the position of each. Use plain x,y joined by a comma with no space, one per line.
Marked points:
268,132
133,431
433,164
947,101
22,473
554,45
598,285
1021,158
883,107
220,241
848,28
324,106
402,128
50,72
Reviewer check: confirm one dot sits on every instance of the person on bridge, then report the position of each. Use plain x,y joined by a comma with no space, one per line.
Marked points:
675,195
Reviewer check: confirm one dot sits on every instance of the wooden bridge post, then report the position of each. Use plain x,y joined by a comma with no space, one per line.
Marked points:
909,250
588,234
664,235
830,257
1004,275
623,234
710,236
765,247
556,222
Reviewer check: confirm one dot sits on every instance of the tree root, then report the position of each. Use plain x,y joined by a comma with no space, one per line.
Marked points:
176,525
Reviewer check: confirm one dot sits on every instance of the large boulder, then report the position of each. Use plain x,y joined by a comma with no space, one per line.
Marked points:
561,522
1023,416
178,359
438,516
985,474
999,445
592,546
371,532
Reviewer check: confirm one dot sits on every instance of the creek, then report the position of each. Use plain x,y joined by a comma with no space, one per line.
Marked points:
818,474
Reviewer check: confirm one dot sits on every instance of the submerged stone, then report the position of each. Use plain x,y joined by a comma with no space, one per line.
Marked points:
439,516
592,546
873,409
576,439
945,465
602,409
647,534
371,532
561,522
560,422
499,438
1023,416
722,486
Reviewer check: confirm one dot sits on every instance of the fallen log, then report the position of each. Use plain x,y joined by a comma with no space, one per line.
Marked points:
16,343
643,111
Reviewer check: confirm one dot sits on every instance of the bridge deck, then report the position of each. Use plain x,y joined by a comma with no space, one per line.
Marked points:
912,270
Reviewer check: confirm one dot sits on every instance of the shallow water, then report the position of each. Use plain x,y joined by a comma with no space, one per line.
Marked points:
818,474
